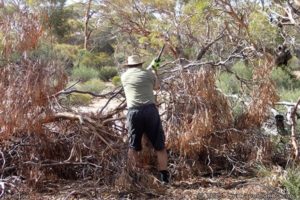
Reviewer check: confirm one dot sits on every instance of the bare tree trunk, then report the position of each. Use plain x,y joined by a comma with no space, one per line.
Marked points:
87,33
293,131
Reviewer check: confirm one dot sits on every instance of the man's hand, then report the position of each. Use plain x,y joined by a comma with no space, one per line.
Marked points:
154,64
154,67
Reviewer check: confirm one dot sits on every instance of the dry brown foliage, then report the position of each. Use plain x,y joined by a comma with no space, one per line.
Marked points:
22,31
26,84
200,123
199,109
37,143
263,95
26,88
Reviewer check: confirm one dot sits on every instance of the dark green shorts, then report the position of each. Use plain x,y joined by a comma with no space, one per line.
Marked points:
145,119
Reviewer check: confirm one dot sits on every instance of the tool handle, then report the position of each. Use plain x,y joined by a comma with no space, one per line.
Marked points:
155,63
160,53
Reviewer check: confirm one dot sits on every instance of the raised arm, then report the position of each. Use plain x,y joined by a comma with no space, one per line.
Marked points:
153,67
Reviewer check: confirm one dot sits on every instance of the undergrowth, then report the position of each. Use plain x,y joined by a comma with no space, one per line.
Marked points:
80,99
292,182
93,85
84,73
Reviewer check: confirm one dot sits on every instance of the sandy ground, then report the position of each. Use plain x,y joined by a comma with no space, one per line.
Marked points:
97,104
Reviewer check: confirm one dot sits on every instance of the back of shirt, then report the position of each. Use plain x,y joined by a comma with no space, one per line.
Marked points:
138,85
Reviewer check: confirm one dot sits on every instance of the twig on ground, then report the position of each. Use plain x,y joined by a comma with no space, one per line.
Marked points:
55,163
3,163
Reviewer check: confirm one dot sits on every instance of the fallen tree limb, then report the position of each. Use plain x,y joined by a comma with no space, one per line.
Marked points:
55,163
285,103
113,119
109,100
63,115
71,116
112,93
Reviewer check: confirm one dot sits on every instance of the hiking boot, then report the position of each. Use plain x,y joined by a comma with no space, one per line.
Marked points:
164,176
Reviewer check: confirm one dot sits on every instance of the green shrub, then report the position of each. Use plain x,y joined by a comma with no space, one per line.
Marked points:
81,57
69,52
228,83
238,109
280,143
292,182
90,59
116,80
93,85
263,171
294,63
287,85
80,99
84,73
104,59
282,78
106,73
242,70
45,51
262,31
289,95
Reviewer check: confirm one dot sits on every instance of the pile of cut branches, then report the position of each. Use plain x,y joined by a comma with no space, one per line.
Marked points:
200,123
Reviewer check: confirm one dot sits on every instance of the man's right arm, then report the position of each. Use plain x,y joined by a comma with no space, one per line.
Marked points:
153,67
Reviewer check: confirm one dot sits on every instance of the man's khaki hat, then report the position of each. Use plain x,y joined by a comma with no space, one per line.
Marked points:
133,60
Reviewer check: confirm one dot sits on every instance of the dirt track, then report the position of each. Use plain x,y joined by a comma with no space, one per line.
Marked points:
97,104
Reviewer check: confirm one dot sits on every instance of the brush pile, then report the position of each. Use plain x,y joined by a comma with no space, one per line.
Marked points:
44,142
201,126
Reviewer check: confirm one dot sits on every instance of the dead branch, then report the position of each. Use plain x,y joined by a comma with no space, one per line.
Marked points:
293,132
285,103
51,163
205,49
2,187
119,109
3,163
233,13
207,63
111,98
112,93
288,18
71,116
113,119
67,116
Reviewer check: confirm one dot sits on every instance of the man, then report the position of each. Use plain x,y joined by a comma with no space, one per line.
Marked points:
143,116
